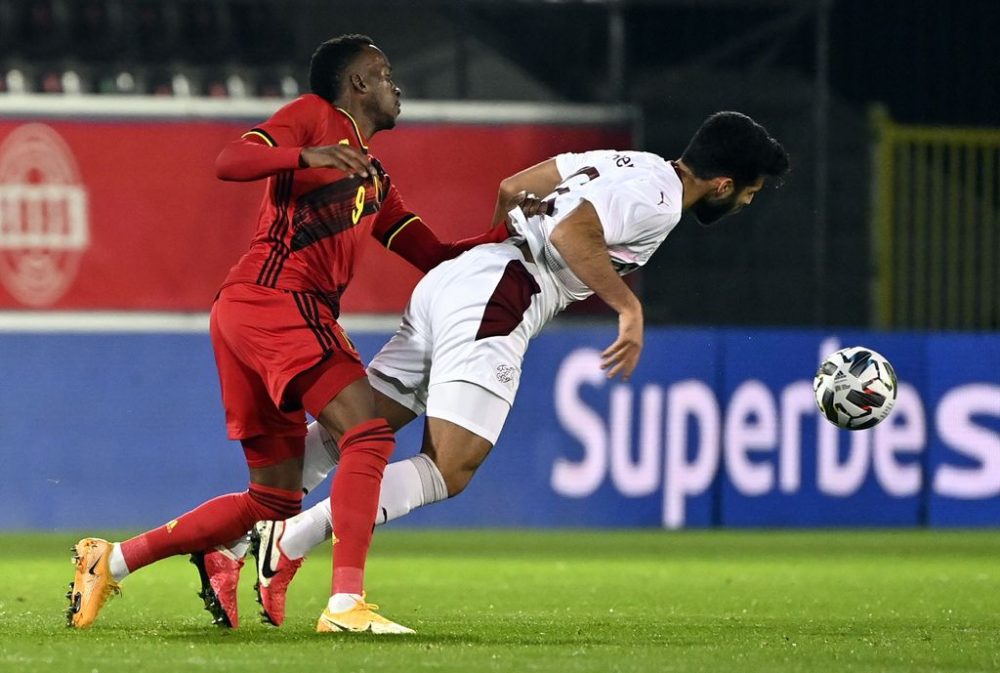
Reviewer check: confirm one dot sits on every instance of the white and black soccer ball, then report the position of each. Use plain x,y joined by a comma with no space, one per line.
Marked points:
855,388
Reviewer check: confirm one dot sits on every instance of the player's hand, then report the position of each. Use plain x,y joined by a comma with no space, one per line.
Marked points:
344,158
530,204
622,356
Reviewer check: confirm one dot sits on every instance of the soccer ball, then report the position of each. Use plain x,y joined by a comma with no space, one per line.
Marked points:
855,388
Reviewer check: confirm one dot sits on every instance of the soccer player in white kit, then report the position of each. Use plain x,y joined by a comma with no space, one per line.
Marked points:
457,354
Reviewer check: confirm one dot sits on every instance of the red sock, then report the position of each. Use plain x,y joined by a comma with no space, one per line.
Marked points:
364,452
217,521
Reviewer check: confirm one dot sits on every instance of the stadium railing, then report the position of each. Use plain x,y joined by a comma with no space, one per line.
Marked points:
935,226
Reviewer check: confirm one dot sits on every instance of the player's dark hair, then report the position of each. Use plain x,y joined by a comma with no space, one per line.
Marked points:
326,69
730,144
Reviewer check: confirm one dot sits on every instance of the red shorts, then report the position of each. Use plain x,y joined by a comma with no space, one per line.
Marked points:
263,339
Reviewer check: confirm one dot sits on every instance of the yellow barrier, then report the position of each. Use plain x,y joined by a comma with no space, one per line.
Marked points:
935,226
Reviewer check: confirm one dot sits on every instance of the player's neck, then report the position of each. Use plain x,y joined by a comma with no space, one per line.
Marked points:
693,188
364,124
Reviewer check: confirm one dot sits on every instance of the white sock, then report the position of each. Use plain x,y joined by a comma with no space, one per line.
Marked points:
307,529
342,602
116,564
321,456
406,485
237,548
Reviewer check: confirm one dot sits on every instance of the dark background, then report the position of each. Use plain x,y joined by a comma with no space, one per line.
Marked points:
800,256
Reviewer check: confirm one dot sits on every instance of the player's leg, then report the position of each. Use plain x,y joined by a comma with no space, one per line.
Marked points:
273,443
338,395
306,530
468,418
252,416
450,455
222,564
219,567
356,485
279,546
463,423
398,376
272,494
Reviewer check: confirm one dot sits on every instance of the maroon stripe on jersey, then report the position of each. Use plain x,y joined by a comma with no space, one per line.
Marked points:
282,252
511,298
332,300
266,269
331,209
269,271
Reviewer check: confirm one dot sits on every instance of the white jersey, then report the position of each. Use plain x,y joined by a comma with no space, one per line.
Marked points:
637,196
470,319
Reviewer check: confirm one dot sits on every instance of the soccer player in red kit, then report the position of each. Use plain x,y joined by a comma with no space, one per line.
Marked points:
279,349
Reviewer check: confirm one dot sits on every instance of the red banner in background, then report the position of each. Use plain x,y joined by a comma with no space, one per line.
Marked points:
126,214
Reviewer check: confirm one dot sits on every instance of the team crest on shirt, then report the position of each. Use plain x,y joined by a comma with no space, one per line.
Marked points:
506,374
43,215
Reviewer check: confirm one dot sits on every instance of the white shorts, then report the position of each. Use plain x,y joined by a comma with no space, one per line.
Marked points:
469,319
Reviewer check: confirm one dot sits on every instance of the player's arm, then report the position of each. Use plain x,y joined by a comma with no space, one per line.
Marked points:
405,234
252,158
538,180
579,238
287,142
415,242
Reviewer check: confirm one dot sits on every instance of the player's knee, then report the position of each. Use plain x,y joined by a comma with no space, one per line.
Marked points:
268,502
275,461
374,437
457,478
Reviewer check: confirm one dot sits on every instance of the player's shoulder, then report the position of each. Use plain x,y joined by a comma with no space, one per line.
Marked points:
312,101
309,106
666,183
642,171
653,185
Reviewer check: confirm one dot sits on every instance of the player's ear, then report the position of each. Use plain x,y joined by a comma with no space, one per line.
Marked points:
358,83
723,187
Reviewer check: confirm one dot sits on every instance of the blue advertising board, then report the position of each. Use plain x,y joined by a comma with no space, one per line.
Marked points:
964,452
717,427
786,465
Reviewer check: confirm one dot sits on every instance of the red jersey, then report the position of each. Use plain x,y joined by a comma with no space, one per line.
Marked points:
312,221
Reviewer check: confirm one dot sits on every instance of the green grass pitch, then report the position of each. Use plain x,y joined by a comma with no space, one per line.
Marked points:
550,601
